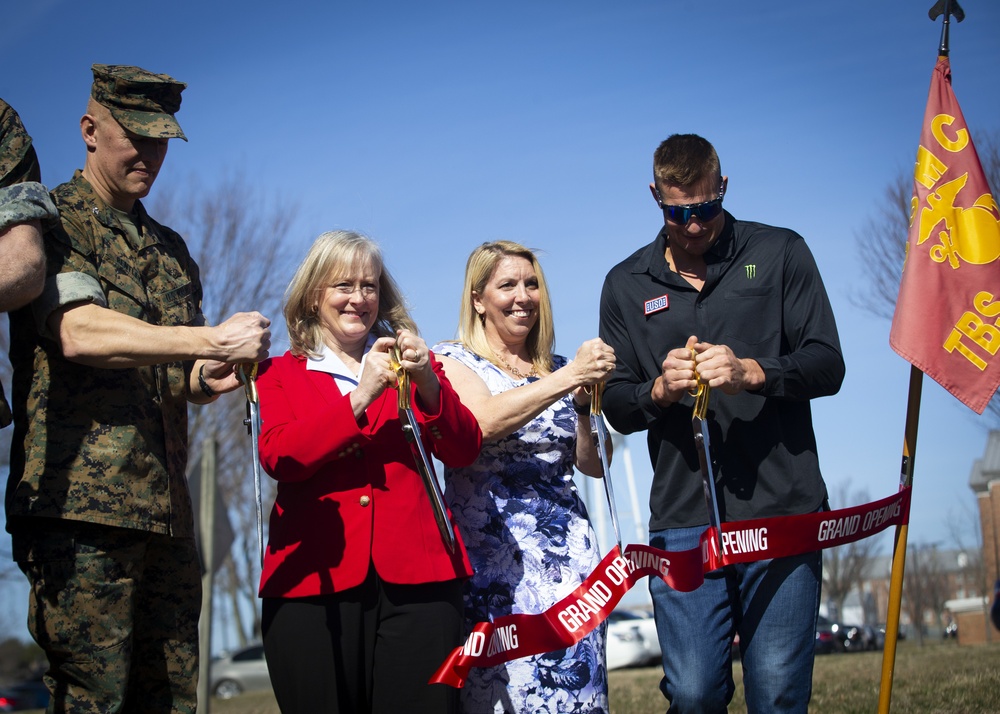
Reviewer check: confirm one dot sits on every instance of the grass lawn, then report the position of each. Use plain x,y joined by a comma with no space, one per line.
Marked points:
938,678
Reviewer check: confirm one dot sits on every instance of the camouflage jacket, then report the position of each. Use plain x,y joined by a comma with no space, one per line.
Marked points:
106,446
22,198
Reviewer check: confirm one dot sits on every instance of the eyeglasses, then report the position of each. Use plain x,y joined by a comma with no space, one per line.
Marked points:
704,211
367,290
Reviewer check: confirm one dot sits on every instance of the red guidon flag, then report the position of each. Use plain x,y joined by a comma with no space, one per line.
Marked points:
946,322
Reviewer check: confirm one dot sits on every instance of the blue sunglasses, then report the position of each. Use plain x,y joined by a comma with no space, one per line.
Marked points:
704,211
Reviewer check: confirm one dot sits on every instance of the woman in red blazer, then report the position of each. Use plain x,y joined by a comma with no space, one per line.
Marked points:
362,600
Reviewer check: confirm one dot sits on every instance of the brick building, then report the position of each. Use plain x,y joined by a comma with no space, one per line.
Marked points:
973,625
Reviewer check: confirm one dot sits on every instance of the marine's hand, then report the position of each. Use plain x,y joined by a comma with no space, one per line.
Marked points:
244,337
221,377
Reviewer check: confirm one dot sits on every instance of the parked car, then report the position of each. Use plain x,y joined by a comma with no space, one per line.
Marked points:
831,636
627,643
900,632
244,670
23,696
647,627
876,637
858,639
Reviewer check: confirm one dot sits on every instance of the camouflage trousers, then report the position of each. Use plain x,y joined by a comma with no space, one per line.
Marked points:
116,611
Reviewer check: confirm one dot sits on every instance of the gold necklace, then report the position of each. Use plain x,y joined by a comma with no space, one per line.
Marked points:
514,370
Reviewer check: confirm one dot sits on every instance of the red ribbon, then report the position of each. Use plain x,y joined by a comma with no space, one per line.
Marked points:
579,613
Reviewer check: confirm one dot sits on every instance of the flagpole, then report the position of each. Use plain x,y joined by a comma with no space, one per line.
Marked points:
899,547
948,8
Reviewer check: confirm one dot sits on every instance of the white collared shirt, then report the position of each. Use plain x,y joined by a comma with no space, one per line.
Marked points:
330,363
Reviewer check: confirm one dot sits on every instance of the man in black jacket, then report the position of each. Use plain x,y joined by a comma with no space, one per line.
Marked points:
741,307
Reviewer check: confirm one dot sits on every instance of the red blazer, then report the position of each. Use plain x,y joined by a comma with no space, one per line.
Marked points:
349,495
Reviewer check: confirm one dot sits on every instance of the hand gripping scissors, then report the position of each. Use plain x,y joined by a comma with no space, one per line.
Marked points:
411,429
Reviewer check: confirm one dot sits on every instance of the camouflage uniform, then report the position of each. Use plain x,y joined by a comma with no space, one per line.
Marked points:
97,499
22,197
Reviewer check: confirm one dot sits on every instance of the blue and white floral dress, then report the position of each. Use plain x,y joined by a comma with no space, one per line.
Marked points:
531,544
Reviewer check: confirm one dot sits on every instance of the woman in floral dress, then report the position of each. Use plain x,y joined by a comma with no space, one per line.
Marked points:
524,526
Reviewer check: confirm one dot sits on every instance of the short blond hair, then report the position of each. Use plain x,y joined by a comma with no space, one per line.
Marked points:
471,329
333,255
685,160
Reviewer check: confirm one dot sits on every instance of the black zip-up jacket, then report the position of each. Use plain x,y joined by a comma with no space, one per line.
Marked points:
764,298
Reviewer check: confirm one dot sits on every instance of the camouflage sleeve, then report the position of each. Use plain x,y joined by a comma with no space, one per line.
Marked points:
64,289
25,202
18,161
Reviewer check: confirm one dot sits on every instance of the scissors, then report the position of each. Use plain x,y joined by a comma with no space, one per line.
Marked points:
598,426
699,423
411,429
253,424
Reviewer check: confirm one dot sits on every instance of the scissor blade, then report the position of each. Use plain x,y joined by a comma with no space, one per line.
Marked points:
703,445
254,425
598,426
426,469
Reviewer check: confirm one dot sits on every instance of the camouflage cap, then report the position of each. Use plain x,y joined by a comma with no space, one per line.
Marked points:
142,102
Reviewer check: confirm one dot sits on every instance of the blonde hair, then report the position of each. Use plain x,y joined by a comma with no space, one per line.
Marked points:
334,255
471,326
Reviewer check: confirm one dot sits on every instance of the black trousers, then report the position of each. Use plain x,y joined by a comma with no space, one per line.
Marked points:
372,648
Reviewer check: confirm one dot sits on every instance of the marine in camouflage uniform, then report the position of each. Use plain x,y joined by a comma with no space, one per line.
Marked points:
23,200
97,500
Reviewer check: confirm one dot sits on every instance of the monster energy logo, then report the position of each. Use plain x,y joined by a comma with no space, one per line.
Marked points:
751,271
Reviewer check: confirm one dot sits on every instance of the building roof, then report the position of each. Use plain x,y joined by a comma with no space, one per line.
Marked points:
967,604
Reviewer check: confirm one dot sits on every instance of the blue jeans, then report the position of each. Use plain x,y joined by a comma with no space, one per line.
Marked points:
772,604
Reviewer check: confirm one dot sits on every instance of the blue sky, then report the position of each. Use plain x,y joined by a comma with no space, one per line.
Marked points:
435,126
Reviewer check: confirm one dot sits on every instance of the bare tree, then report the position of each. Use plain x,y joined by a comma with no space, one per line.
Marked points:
882,240
245,248
846,567
925,586
967,538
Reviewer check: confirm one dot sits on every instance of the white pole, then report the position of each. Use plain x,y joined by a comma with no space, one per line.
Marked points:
207,529
621,447
598,510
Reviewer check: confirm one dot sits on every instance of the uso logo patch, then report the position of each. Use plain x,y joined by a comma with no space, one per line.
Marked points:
656,304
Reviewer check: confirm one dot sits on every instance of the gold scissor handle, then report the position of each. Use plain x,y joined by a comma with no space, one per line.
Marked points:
697,388
249,380
701,400
402,377
596,392
700,392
